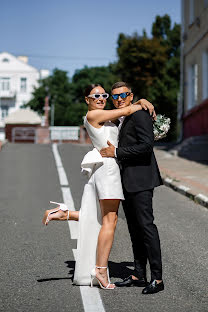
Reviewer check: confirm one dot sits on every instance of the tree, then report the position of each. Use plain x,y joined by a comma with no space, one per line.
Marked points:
104,75
140,61
68,97
57,86
152,66
165,91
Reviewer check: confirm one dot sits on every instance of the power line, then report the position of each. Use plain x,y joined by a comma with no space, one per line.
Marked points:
66,57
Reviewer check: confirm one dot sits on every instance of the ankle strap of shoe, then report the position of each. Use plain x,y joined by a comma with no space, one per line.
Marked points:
98,267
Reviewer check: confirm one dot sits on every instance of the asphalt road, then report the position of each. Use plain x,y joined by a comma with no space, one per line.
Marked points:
36,262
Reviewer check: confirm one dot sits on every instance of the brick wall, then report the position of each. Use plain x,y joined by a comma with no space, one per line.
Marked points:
195,122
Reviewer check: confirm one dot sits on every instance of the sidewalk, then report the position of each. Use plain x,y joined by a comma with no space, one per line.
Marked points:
184,176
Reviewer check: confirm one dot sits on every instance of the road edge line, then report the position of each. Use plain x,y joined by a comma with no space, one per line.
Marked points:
91,298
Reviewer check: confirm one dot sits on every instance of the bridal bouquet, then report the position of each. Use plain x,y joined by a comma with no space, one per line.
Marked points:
161,127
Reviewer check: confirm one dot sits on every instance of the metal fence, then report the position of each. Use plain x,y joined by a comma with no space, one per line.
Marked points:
64,133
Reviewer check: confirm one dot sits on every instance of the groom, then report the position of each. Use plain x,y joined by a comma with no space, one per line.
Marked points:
140,175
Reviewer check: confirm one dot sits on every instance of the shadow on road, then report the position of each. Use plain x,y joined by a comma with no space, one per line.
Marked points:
121,269
52,279
117,270
70,264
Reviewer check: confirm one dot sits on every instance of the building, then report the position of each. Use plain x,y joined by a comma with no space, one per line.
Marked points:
22,126
194,68
17,82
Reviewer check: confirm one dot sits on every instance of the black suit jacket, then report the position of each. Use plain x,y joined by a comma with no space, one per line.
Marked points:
139,169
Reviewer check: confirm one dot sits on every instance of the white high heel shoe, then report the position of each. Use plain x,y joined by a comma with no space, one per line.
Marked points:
93,276
62,207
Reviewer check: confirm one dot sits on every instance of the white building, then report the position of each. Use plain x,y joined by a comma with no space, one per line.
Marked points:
194,68
17,82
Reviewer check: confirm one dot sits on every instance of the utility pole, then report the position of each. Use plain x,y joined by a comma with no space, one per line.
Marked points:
46,109
52,111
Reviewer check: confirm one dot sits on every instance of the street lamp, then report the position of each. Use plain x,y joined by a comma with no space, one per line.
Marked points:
46,107
53,110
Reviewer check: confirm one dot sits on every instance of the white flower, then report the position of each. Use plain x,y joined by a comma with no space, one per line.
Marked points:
165,128
161,127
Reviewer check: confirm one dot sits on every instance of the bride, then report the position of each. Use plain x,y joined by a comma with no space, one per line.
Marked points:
102,194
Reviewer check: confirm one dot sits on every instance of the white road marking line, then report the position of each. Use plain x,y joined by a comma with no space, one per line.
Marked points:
75,254
68,200
91,299
61,172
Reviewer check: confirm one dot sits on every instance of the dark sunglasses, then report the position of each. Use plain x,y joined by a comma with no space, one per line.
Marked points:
122,95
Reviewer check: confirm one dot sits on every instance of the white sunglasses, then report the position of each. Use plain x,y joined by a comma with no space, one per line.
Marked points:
98,95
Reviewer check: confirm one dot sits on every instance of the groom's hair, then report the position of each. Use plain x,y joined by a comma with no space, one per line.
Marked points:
120,84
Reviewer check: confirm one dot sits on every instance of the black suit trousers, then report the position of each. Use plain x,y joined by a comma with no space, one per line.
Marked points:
143,232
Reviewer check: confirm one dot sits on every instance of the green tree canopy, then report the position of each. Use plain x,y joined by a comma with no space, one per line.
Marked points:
68,97
58,88
152,66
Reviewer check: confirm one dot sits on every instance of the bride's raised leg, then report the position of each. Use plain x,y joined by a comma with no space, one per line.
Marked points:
109,210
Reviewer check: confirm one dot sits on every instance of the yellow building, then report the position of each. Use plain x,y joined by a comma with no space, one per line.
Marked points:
194,67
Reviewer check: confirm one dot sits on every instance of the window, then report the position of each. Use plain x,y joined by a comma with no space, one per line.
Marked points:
4,84
23,84
205,75
191,11
4,111
205,3
193,85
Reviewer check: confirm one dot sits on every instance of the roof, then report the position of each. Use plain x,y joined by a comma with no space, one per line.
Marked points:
23,116
13,64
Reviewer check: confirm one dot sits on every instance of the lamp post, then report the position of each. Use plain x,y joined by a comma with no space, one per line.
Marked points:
46,108
53,110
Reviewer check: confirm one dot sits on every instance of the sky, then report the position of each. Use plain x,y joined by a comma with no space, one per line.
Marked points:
69,35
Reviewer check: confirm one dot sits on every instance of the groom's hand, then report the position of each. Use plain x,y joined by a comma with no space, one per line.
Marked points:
108,151
146,105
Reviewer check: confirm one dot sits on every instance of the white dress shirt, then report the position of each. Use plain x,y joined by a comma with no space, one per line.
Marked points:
121,119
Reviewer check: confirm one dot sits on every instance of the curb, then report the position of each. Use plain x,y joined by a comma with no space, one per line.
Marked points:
184,190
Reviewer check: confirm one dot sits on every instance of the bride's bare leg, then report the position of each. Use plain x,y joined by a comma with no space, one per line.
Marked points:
60,215
109,209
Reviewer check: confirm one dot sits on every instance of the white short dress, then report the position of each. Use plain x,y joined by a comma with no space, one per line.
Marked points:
107,178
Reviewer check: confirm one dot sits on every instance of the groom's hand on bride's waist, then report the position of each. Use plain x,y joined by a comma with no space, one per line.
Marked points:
108,151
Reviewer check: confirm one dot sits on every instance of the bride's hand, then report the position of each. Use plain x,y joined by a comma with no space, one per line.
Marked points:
146,105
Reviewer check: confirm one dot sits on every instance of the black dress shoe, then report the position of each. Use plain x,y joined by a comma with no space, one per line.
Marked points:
153,288
129,281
